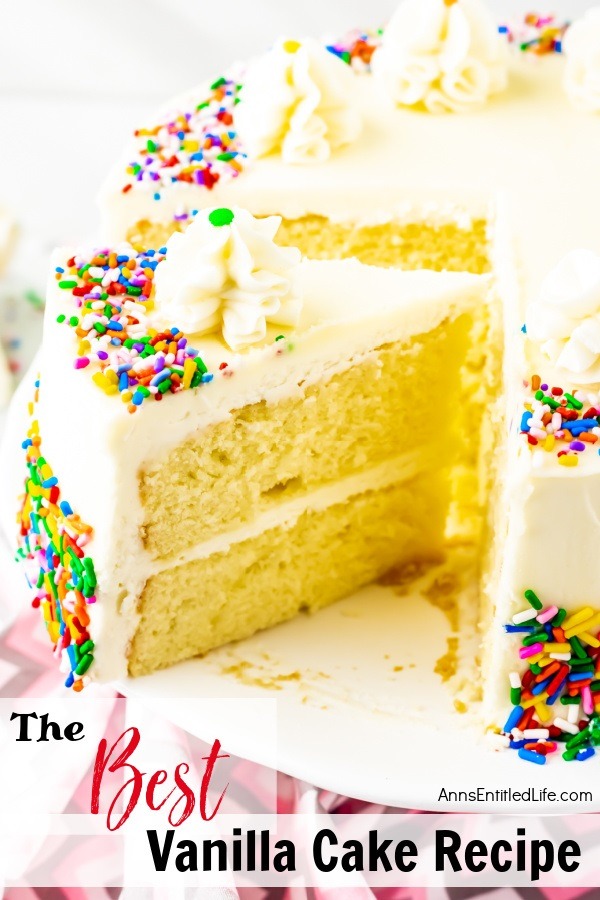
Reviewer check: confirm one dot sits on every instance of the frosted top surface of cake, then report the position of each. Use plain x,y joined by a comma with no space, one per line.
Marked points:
405,162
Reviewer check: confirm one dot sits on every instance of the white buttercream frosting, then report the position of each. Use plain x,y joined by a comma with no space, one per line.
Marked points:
225,273
442,55
565,317
582,69
297,100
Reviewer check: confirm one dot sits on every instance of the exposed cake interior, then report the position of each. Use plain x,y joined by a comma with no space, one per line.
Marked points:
289,506
310,466
455,244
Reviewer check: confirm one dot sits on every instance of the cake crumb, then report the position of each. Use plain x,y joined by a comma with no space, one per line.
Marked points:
460,707
447,664
442,593
403,577
256,676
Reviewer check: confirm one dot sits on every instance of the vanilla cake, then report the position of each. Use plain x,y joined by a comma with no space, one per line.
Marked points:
301,429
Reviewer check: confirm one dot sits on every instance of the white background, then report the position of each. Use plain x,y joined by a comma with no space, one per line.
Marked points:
77,75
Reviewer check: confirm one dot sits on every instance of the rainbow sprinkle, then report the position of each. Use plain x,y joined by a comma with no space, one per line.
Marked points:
198,147
556,420
357,47
112,294
536,34
562,652
52,541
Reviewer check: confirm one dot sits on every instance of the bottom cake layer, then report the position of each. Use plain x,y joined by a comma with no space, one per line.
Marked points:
190,609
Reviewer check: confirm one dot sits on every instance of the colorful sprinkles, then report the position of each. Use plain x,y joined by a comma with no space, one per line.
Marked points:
52,542
201,146
536,34
557,421
198,147
562,653
112,294
357,47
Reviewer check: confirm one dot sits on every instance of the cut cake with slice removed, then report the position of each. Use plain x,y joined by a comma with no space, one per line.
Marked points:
267,480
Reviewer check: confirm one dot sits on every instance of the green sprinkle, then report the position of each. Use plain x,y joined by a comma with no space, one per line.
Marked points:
84,664
559,618
225,157
515,696
578,739
60,319
568,701
569,755
67,284
578,663
99,327
88,565
75,561
530,639
577,648
594,728
151,146
220,216
280,337
535,668
218,83
73,321
550,401
533,599
87,647
164,386
200,365
573,401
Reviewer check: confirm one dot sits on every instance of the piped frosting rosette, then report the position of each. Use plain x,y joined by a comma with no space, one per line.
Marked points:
297,100
442,55
226,274
582,69
565,318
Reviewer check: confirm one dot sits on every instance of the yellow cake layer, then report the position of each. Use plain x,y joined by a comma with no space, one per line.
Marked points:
193,608
409,245
402,399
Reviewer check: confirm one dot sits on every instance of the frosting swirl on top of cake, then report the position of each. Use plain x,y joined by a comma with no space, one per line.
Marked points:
565,318
443,55
297,100
582,71
225,273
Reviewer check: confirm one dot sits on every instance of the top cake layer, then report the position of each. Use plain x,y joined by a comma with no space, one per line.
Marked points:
404,163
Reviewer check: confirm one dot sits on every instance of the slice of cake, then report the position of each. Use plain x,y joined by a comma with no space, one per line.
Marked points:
189,487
